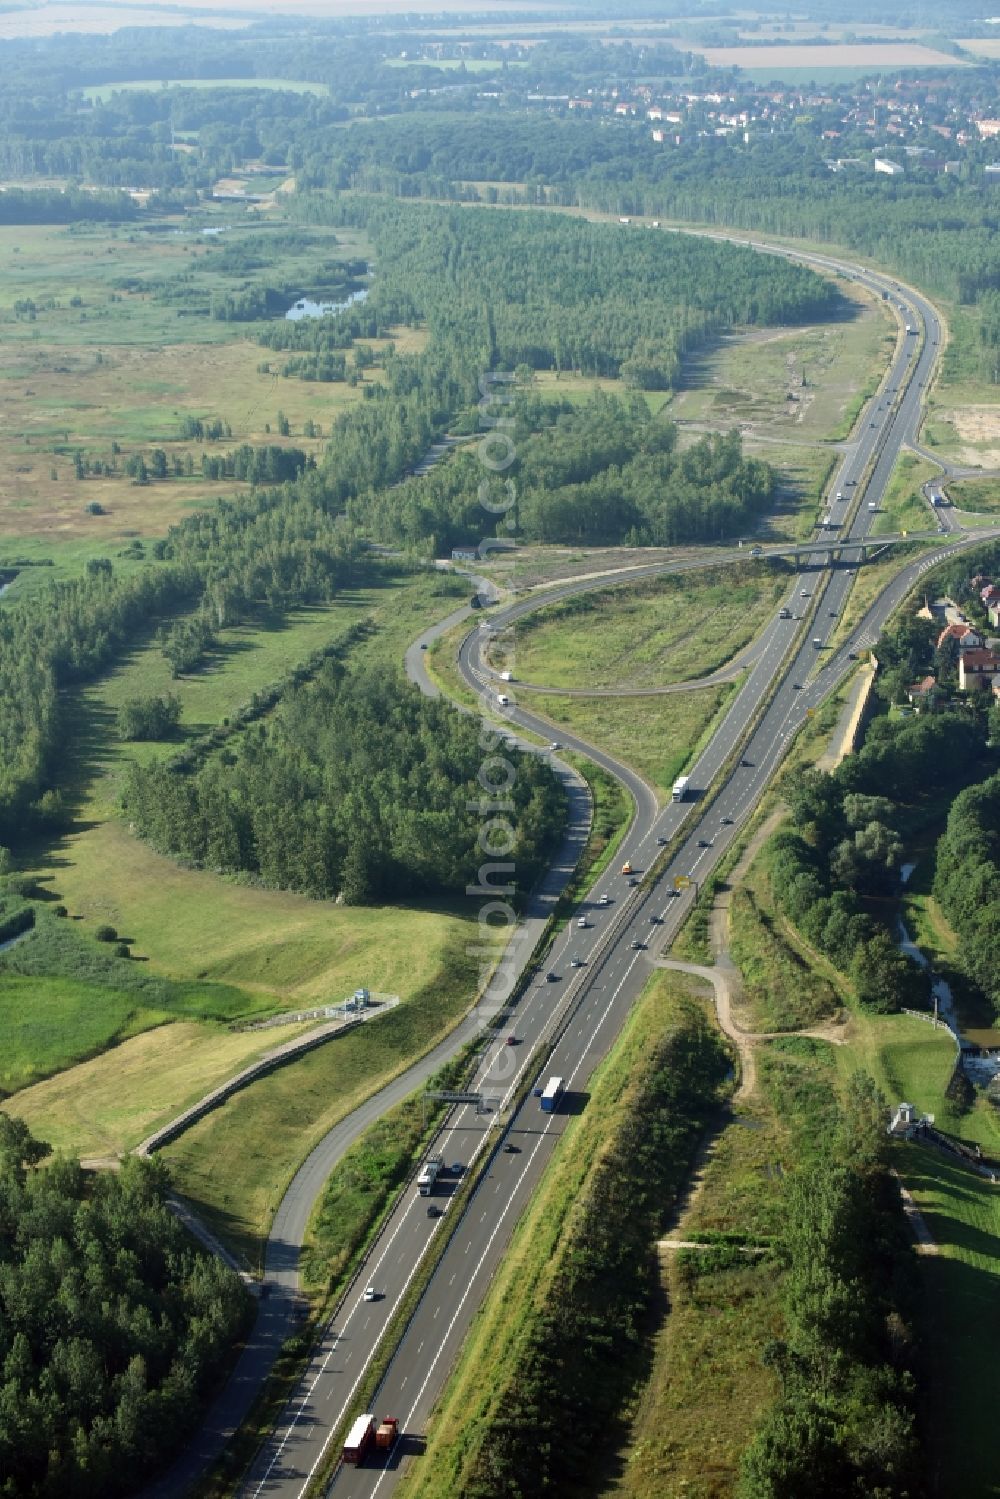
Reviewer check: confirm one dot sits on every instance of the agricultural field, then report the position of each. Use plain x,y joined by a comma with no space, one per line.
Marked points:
672,629
837,62
108,339
658,742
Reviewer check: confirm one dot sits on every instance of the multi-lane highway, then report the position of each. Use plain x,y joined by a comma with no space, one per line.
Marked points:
570,1014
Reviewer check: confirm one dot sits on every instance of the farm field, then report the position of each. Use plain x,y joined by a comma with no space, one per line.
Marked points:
808,61
670,630
658,742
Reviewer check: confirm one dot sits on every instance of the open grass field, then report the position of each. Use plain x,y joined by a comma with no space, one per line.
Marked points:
569,386
979,496
904,507
105,1106
806,383
190,924
235,1164
120,348
657,740
46,1026
673,629
803,480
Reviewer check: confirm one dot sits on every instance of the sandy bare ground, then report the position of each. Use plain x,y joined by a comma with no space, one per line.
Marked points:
977,426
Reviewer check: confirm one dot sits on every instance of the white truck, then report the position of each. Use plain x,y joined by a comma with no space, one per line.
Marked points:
433,1166
680,788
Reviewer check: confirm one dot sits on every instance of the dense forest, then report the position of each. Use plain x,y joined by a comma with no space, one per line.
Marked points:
359,787
846,846
113,1327
597,472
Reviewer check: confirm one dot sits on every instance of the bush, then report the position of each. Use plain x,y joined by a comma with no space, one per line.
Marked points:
106,934
122,950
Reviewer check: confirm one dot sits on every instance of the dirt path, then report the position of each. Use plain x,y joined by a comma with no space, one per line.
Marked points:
725,977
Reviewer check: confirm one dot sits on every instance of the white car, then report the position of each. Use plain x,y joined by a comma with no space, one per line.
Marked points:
555,745
581,921
370,1293
605,900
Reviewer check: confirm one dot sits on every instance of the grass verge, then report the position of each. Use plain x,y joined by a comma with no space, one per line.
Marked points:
535,1282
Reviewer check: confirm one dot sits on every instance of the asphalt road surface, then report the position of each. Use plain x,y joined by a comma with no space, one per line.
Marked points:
598,970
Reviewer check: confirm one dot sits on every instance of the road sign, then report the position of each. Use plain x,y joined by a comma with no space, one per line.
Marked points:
682,882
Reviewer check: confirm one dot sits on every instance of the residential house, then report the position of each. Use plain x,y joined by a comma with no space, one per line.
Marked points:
993,610
921,694
976,670
968,639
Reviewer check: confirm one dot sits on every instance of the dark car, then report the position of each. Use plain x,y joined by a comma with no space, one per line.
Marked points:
727,822
537,1092
661,839
747,764
512,1149
551,977
637,946
433,1212
704,843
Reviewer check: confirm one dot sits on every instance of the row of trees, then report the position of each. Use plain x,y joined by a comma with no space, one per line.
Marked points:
965,882
358,787
843,1426
114,1326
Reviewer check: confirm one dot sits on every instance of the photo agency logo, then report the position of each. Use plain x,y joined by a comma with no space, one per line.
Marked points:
497,776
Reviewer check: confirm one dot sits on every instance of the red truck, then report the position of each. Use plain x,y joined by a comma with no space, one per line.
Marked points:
364,1434
388,1431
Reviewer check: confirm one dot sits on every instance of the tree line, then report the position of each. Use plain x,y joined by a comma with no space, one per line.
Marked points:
115,1326
965,882
358,786
843,1426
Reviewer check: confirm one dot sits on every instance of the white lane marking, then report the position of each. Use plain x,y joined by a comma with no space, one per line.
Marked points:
499,1224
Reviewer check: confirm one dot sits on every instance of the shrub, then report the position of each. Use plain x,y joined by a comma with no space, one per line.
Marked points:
106,933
